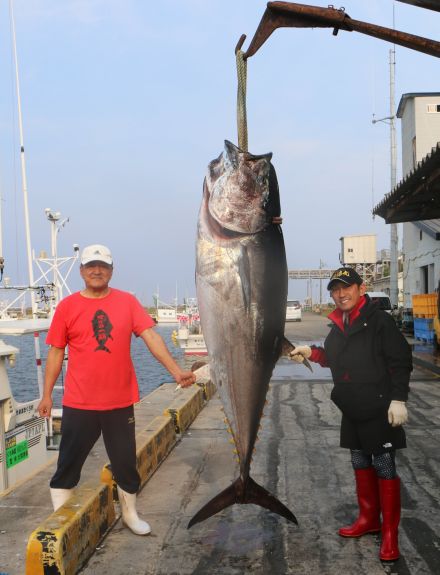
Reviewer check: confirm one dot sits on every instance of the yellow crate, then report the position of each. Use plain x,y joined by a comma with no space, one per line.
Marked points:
424,305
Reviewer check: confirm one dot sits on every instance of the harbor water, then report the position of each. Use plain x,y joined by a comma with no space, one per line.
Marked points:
150,373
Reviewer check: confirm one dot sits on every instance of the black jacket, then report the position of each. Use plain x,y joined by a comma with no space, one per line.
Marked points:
370,363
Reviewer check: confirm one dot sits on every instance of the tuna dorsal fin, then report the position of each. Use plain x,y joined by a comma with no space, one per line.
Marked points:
287,347
242,491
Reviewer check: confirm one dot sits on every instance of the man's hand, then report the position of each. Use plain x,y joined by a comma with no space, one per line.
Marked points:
300,353
397,413
45,407
185,378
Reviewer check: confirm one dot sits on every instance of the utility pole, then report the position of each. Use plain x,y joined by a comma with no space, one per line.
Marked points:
394,239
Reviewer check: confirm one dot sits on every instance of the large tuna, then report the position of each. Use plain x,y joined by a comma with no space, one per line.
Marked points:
241,277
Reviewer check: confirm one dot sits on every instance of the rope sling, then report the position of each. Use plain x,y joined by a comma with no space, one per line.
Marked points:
241,101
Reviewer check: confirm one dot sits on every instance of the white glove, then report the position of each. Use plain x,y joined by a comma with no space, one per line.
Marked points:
397,413
300,353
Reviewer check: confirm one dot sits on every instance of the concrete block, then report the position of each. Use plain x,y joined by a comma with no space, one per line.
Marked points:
164,434
185,408
68,537
153,444
208,389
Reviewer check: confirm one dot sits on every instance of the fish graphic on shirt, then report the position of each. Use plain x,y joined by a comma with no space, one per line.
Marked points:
102,330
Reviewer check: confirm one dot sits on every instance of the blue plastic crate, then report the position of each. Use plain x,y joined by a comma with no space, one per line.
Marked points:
427,335
423,323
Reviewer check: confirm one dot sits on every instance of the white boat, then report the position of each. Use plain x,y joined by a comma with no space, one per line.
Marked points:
189,335
166,315
23,434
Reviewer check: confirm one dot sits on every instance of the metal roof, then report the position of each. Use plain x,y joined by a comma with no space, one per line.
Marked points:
417,196
429,4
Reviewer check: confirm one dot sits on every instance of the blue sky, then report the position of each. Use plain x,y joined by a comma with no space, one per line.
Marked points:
126,102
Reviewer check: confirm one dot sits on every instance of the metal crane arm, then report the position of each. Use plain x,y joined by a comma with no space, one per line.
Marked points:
292,15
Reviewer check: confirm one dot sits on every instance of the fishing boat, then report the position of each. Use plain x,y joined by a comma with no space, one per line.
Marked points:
189,335
165,313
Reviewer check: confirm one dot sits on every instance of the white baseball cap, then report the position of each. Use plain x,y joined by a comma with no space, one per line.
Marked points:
96,253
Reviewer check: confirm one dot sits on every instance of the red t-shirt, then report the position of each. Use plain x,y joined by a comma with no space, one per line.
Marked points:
100,373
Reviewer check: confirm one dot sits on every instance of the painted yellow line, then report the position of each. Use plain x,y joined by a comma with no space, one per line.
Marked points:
185,408
68,537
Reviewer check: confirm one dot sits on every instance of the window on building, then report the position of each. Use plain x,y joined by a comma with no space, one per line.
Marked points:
424,279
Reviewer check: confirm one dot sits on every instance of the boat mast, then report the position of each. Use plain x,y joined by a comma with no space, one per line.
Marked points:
23,166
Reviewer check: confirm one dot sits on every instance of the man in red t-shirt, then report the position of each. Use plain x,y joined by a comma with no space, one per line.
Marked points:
97,324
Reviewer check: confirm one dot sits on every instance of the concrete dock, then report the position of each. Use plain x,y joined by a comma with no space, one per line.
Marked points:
298,459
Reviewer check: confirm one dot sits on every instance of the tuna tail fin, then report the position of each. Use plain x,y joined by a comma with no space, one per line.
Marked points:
242,491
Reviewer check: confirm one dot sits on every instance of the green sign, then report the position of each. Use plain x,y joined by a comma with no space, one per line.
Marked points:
17,453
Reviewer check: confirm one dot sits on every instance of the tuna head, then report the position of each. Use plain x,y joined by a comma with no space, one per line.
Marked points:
239,190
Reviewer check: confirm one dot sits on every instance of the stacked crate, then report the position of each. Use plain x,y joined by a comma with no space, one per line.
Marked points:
424,312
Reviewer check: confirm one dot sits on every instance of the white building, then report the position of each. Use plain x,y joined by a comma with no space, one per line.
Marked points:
420,115
359,251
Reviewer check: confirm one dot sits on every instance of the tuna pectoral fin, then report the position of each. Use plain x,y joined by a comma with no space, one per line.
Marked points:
241,491
287,347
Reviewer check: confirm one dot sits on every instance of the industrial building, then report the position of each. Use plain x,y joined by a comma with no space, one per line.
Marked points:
415,201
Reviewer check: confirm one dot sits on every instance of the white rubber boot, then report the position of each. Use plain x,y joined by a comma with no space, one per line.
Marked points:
59,497
130,517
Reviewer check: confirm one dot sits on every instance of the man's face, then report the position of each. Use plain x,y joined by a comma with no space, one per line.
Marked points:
347,297
96,275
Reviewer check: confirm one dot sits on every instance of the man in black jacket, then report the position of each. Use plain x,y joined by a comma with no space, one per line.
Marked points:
371,363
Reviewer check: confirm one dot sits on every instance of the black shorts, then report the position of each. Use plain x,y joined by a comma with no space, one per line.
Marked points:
373,436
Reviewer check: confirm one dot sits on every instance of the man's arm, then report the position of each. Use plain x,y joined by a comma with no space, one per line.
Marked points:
54,363
157,346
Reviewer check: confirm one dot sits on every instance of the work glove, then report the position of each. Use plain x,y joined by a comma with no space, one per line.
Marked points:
300,353
397,413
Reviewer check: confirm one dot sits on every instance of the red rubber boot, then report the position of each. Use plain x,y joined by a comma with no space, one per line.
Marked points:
390,505
367,489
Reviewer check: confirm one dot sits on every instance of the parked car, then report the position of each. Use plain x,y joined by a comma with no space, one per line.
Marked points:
383,299
293,310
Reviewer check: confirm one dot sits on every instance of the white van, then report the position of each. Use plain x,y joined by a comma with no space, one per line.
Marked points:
293,310
383,299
